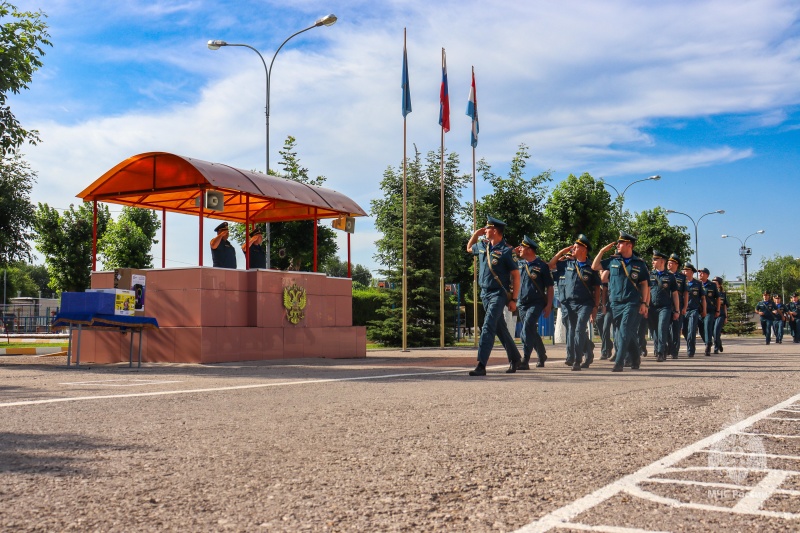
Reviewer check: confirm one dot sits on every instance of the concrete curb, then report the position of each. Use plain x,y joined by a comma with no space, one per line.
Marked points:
33,351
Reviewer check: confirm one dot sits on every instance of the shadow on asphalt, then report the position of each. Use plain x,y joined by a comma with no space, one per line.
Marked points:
44,454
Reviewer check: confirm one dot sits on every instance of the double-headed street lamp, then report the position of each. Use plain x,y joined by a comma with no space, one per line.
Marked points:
745,252
651,178
696,246
327,20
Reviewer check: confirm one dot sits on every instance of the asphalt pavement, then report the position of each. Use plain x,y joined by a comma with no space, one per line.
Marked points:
404,441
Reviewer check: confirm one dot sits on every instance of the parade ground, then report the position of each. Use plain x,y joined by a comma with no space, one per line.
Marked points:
404,441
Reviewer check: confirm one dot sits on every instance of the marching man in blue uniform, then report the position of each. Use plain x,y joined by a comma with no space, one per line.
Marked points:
499,279
535,300
673,264
628,296
581,293
663,305
695,307
712,309
766,309
792,309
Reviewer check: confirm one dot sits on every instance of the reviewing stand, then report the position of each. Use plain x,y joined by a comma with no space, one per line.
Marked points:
100,321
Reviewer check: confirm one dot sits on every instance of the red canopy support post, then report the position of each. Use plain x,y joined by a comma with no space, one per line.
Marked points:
94,235
349,261
202,215
163,237
315,239
247,232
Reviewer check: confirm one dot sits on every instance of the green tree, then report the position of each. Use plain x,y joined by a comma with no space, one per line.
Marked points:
778,275
23,34
739,314
515,199
578,205
16,209
65,241
19,282
337,268
127,241
292,243
654,232
423,247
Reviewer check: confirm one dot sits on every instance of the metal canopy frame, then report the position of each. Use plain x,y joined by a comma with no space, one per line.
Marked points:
168,182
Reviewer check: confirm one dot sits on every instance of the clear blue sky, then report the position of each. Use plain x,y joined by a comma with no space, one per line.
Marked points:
704,93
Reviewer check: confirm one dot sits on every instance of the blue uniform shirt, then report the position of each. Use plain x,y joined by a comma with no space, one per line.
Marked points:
768,308
662,285
620,290
680,281
696,294
712,293
502,264
536,278
579,281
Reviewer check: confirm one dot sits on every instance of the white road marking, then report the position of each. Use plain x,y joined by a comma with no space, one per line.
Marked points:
750,504
231,388
121,382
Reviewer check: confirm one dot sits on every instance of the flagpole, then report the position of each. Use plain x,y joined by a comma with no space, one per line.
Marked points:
441,230
474,258
405,210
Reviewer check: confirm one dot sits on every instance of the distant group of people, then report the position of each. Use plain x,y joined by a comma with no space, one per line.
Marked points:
775,316
619,294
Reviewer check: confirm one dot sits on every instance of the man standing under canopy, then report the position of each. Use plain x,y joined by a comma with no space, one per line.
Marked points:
223,254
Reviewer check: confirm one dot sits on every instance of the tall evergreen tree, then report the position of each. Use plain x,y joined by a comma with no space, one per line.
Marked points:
423,248
16,209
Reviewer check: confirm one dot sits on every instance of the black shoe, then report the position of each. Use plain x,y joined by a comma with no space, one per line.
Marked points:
660,358
691,355
523,365
480,370
568,362
512,367
674,356
720,349
576,366
540,362
612,359
616,369
584,365
603,357
634,367
708,351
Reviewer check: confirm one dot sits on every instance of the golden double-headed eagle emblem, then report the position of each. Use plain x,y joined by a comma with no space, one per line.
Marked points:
294,300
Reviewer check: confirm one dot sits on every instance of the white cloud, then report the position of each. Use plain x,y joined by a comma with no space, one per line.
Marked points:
579,82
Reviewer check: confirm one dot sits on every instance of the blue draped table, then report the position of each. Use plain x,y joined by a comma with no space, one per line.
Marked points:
81,320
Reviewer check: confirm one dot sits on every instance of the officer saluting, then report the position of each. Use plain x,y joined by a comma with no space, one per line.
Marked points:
581,293
258,256
663,305
535,299
223,254
498,276
628,296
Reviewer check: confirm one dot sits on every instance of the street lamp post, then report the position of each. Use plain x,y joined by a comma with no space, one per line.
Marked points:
327,20
696,246
651,178
744,252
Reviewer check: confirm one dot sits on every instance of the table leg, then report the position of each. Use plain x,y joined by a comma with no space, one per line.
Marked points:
130,352
69,345
78,352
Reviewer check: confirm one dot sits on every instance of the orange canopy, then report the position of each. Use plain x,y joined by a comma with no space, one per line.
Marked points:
159,180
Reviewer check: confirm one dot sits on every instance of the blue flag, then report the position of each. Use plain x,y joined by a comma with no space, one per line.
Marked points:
405,86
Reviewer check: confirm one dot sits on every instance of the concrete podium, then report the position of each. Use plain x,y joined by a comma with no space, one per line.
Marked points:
214,315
